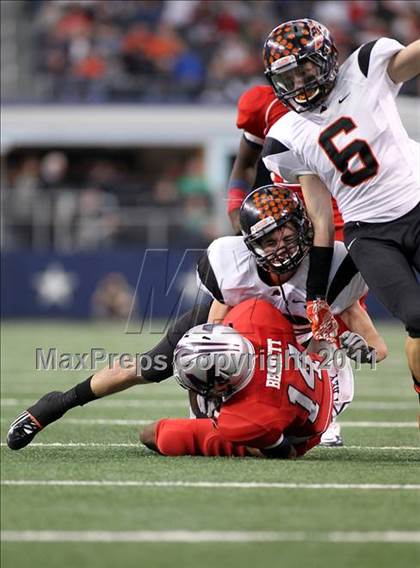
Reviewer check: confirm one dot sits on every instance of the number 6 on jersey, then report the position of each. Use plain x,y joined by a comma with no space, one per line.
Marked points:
342,158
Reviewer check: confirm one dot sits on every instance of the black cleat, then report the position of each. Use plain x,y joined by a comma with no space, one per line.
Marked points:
26,426
22,431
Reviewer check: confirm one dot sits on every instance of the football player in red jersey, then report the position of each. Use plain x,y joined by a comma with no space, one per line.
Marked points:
229,284
258,109
274,401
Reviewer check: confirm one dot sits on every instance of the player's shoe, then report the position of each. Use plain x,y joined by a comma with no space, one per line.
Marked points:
331,438
27,425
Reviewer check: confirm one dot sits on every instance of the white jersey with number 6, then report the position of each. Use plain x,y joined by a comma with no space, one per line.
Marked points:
355,143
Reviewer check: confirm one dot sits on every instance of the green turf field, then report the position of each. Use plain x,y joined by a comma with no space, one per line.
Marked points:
346,507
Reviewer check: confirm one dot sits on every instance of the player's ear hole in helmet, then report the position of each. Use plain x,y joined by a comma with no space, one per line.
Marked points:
301,63
276,228
213,360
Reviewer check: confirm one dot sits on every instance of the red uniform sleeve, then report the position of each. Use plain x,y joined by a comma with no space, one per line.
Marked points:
189,437
252,111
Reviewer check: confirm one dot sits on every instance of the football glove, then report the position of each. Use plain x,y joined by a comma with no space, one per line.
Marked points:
356,347
323,324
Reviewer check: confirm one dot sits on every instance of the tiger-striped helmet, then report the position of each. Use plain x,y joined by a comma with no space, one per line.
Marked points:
301,63
267,209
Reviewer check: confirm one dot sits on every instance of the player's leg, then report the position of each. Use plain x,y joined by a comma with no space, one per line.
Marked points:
184,437
412,351
392,280
412,346
155,366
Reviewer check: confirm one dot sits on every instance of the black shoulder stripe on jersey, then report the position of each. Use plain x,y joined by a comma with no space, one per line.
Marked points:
208,277
273,146
342,278
262,175
364,56
253,145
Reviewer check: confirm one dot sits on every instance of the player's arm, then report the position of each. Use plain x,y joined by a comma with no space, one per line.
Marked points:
281,449
319,207
217,312
358,322
241,178
278,158
405,64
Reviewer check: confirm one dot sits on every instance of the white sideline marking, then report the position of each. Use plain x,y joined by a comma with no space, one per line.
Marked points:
126,422
209,484
139,445
185,536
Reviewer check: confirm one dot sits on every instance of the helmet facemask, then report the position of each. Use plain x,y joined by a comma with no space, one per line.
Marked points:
284,257
301,64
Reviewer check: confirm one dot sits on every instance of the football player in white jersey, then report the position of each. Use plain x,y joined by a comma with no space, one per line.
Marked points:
345,138
271,262
232,270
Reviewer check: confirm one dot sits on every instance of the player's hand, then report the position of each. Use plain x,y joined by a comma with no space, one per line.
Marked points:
356,347
323,324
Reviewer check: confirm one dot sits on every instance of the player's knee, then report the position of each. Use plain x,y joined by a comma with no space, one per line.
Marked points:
174,438
148,436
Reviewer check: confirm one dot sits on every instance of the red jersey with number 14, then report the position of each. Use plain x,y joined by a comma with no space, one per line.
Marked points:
283,399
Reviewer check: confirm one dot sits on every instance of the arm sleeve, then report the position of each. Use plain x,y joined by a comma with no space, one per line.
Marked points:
373,59
251,113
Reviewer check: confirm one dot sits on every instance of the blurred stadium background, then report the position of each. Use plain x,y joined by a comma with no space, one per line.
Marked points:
118,134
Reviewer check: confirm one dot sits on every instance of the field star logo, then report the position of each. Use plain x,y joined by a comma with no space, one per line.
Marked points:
55,286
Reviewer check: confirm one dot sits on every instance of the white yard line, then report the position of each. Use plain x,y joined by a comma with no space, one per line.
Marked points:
138,445
103,421
373,424
128,422
151,403
380,405
177,402
186,536
209,484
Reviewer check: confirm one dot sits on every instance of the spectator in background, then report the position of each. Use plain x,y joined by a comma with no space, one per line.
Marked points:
24,193
98,219
113,297
166,189
194,191
59,206
188,74
190,50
